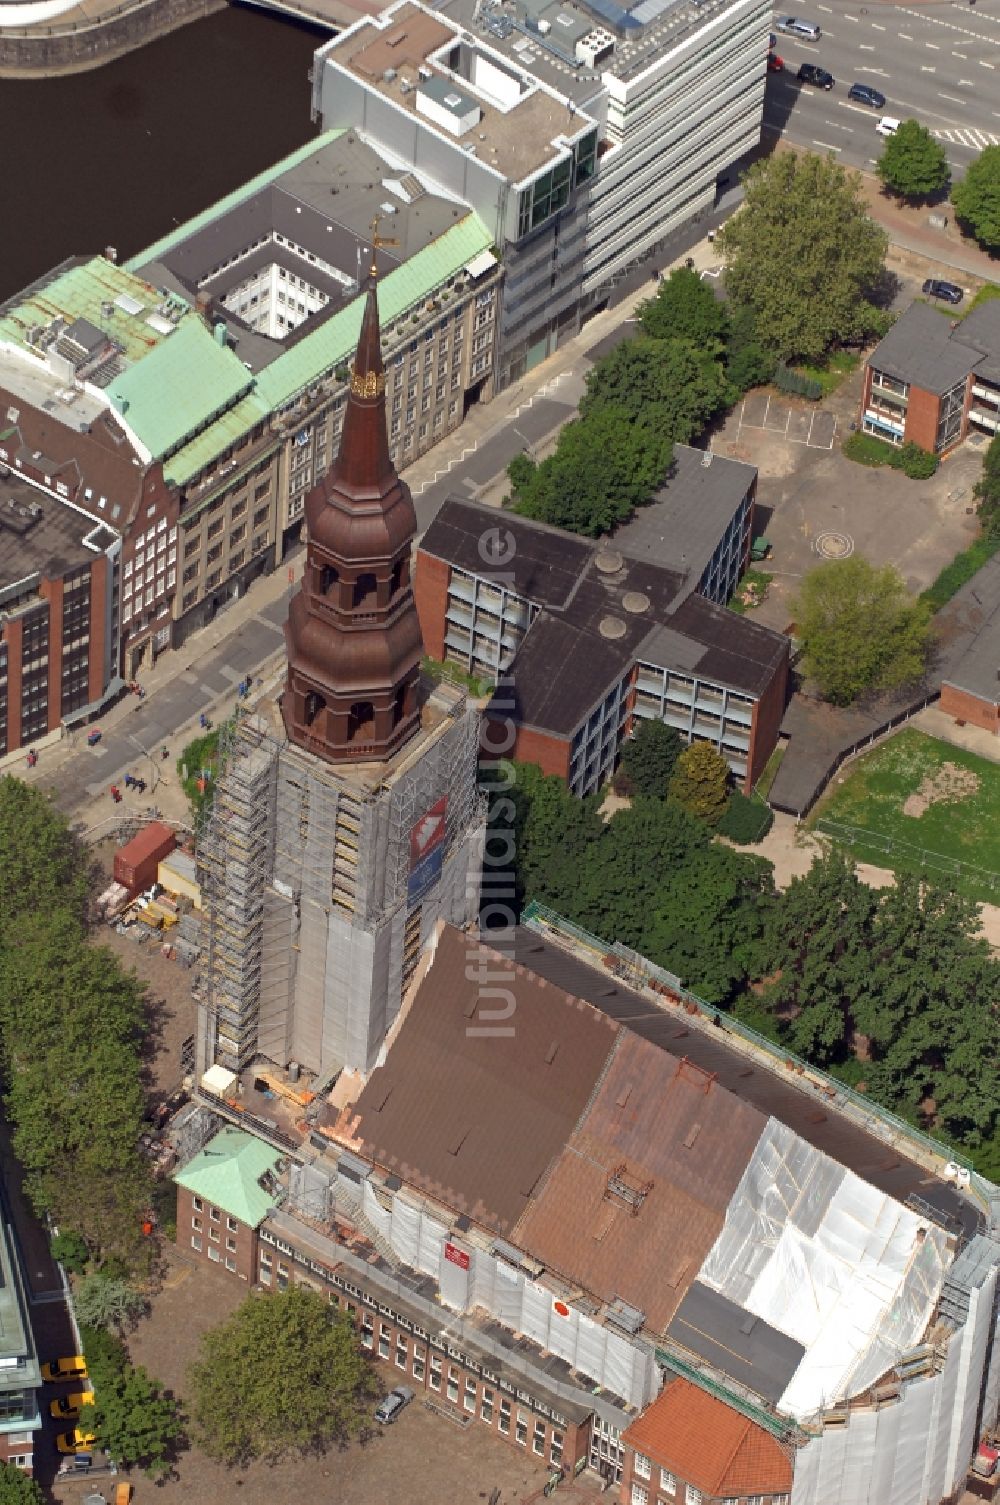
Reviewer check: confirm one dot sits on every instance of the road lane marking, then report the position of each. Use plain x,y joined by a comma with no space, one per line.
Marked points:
983,64
963,55
877,27
933,46
826,146
966,83
927,68
863,48
827,8
864,68
951,99
854,19
904,36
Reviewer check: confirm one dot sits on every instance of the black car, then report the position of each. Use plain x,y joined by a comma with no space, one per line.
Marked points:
810,74
946,290
866,95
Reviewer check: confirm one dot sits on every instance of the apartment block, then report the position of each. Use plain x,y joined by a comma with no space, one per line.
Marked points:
60,584
20,1374
582,135
583,640
932,380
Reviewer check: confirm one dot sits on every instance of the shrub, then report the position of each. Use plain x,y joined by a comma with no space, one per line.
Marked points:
745,821
796,384
101,1348
71,1252
961,569
919,464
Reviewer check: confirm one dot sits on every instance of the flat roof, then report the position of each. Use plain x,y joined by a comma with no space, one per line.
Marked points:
516,142
734,651
543,563
682,525
39,535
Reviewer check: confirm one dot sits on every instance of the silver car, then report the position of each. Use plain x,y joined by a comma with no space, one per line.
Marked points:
388,1410
796,27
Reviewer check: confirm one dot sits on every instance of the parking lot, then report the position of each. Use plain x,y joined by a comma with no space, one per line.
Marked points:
424,1458
814,505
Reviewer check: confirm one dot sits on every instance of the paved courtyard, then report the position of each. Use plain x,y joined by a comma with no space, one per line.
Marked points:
813,504
425,1458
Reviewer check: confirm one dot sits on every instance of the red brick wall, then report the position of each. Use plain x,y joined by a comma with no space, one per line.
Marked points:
970,708
10,1450
430,590
550,753
922,418
199,1231
767,714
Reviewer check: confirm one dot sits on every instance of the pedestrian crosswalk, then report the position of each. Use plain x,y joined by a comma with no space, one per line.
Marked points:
975,140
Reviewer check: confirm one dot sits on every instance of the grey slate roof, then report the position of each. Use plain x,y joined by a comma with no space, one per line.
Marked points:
735,1341
981,330
975,611
682,526
921,348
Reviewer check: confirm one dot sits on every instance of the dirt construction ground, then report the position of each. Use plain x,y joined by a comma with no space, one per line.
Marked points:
424,1459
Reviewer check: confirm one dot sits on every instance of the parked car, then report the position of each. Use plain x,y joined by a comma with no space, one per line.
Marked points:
810,74
388,1410
75,1442
68,1407
795,26
74,1368
775,64
772,42
866,95
888,125
949,291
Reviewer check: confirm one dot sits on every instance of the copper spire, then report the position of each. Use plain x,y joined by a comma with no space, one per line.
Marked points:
352,634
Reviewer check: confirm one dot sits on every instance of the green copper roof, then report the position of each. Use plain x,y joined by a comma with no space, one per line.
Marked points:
227,1173
311,358
190,227
179,388
89,292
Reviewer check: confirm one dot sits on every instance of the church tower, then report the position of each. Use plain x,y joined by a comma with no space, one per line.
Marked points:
348,819
352,634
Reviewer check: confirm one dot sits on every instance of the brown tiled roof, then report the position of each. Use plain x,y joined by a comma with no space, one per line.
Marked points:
472,1112
677,1134
703,1442
100,457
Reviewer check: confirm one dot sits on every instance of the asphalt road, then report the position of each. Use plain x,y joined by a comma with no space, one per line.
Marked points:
939,65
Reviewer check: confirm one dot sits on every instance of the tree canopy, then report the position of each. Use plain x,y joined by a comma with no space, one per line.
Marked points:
649,757
804,255
700,782
685,308
987,490
898,977
135,1422
16,1488
913,165
108,1301
977,199
670,386
602,469
71,1025
285,1374
859,629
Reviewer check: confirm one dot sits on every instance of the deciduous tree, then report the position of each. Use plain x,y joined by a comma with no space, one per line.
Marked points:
284,1375
649,757
16,1488
913,165
977,199
685,308
42,865
804,255
602,469
135,1422
672,387
859,629
700,782
108,1301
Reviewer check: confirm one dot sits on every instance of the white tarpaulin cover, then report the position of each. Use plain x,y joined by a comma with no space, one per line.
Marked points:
829,1260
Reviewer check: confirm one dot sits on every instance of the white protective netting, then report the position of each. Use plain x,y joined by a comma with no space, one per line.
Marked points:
830,1261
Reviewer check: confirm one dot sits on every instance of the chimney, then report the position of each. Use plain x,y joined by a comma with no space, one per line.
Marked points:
203,304
111,254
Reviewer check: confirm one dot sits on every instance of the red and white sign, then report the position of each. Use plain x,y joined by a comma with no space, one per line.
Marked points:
560,1308
429,831
456,1255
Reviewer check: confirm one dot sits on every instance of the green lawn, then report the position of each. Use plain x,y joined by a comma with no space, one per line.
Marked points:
957,839
831,372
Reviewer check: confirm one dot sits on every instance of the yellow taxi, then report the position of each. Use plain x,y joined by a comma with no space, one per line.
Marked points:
68,1407
76,1441
74,1368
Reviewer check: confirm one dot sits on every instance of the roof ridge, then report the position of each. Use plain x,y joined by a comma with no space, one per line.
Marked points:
741,1439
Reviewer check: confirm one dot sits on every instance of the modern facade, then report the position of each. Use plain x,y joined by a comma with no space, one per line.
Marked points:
347,821
582,135
190,399
60,588
584,639
626,1231
933,379
20,1375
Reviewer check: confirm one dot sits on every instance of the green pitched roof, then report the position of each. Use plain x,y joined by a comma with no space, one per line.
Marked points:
179,388
311,358
239,195
85,292
227,1173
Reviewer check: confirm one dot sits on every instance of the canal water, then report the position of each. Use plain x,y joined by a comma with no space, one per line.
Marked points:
120,155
